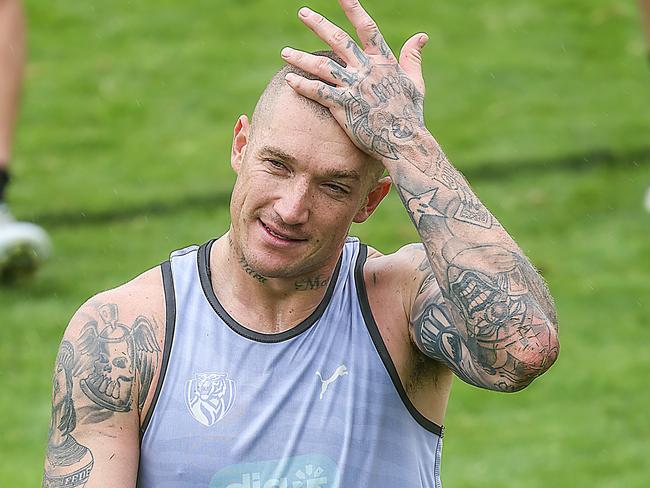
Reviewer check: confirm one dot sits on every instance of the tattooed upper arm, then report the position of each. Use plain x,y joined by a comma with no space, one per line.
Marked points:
104,371
488,328
432,329
113,358
431,325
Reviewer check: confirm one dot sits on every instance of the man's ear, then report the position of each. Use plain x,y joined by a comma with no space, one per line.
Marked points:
375,196
239,142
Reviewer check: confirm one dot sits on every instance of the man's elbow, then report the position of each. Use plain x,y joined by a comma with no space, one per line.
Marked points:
534,359
548,349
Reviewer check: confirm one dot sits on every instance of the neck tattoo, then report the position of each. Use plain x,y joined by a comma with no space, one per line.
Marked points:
311,283
250,271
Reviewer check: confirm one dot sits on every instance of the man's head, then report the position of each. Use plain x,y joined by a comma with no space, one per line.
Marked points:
267,103
300,184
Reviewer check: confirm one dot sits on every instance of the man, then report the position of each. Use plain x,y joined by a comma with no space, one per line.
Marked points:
285,354
23,246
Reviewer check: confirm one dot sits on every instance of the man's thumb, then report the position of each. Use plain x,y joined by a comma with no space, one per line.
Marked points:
410,59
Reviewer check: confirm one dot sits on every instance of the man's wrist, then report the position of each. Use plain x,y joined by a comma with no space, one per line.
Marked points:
420,150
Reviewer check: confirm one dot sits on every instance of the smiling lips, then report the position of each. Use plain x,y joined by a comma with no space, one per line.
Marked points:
282,236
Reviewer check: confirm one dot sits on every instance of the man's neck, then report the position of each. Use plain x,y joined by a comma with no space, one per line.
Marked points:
265,305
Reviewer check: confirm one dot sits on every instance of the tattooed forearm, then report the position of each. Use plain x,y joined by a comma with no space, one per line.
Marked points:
311,283
495,322
68,463
499,327
445,192
487,324
250,271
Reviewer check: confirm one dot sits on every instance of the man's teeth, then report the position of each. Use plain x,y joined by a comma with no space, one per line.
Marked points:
276,235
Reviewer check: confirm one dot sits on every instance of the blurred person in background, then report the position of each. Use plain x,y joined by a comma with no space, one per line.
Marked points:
645,16
286,353
23,245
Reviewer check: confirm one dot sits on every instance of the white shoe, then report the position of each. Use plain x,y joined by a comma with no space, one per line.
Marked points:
24,247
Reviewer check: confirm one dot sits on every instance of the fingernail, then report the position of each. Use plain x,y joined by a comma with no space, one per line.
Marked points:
423,40
285,52
304,12
291,77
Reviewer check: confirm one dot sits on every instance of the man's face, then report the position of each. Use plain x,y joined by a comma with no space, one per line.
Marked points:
300,183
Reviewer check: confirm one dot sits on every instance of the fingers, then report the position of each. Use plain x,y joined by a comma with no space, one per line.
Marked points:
371,39
321,66
410,59
339,40
318,91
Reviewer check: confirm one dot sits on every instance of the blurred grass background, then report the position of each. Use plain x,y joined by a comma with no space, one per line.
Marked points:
123,155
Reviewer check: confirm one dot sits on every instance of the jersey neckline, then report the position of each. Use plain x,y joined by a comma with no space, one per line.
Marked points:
203,263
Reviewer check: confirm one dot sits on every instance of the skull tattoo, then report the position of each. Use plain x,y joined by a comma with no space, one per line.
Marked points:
116,354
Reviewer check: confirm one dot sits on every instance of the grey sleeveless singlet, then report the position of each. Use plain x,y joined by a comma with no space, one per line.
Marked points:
319,405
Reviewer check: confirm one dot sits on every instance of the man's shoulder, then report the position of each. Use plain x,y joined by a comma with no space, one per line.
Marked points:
140,297
112,348
396,277
392,275
404,261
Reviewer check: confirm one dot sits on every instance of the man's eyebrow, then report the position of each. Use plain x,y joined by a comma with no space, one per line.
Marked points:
276,152
342,174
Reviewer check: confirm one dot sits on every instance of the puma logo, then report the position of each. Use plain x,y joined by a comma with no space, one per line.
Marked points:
340,371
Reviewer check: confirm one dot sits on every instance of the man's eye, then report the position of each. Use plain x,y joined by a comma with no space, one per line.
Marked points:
275,164
339,190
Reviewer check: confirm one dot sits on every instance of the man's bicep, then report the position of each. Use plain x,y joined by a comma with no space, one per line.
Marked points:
93,435
433,330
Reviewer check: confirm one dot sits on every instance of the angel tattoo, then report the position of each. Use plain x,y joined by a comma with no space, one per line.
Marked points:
112,356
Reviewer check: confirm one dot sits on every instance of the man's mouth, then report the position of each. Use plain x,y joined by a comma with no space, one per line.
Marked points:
280,235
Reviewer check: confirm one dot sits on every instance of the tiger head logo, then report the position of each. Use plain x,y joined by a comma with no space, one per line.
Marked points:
209,397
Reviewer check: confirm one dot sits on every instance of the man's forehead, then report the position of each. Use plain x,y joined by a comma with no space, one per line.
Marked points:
292,128
297,128
288,105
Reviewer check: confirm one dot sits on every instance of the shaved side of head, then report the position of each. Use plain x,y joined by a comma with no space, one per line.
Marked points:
268,101
270,95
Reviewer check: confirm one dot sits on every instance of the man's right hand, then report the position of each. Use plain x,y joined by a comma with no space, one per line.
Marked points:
376,99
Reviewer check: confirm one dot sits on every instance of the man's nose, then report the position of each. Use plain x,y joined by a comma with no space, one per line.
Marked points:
293,205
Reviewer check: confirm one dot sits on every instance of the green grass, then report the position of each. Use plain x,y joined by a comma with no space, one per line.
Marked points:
123,154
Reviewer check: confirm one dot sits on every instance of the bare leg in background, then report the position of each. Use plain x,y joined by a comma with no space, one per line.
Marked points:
12,61
23,246
644,6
